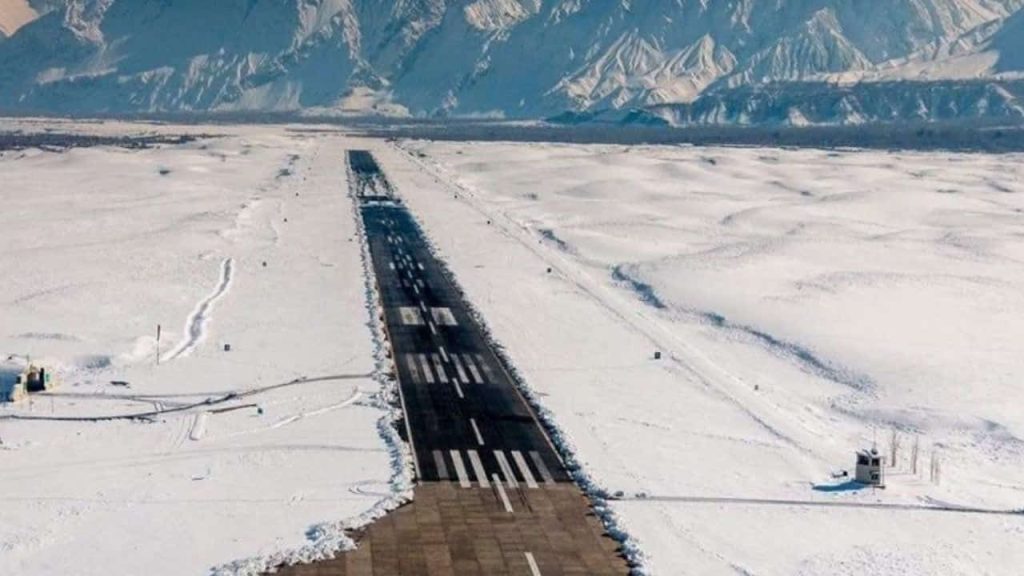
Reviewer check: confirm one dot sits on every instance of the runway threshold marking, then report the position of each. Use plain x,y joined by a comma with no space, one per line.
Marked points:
539,462
439,367
517,457
506,470
485,366
501,492
442,468
460,469
472,369
410,363
459,368
426,368
478,468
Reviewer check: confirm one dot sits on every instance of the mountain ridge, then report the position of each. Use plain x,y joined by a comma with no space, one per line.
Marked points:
500,58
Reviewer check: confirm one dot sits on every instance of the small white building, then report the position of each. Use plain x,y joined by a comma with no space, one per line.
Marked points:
870,468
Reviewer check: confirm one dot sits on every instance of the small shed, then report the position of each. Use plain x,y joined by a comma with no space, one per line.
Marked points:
37,379
870,468
17,382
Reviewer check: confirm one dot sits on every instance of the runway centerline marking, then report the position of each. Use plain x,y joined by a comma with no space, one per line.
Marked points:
476,431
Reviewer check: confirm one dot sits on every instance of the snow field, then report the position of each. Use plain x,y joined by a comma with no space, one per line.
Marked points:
108,243
806,302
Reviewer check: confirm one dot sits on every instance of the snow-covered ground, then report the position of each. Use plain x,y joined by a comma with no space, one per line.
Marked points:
247,239
807,303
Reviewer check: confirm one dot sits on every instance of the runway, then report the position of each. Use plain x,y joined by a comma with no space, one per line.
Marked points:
492,496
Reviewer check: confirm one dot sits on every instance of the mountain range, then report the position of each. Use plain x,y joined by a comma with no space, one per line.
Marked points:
674,61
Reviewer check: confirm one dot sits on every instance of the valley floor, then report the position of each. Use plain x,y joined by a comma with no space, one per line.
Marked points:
245,240
805,304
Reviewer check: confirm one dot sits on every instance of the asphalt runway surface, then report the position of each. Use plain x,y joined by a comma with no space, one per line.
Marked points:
492,497
467,421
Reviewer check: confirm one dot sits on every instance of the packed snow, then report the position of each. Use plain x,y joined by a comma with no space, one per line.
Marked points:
254,431
806,303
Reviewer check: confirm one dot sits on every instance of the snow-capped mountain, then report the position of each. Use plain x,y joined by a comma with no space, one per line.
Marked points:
510,58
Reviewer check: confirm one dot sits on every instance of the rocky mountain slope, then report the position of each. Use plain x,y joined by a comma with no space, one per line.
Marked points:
507,58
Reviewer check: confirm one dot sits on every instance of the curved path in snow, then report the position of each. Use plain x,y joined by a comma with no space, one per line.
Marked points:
195,326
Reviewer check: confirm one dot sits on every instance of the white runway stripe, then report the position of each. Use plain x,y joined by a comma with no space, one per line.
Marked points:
444,354
442,469
517,456
439,367
539,463
458,389
411,316
478,468
486,367
460,469
444,316
506,470
414,371
534,569
426,369
476,432
472,369
501,492
459,368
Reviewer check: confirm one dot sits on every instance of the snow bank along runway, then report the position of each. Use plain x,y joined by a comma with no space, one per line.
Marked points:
494,496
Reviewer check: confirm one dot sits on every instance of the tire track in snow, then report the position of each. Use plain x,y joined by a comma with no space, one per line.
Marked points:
195,326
